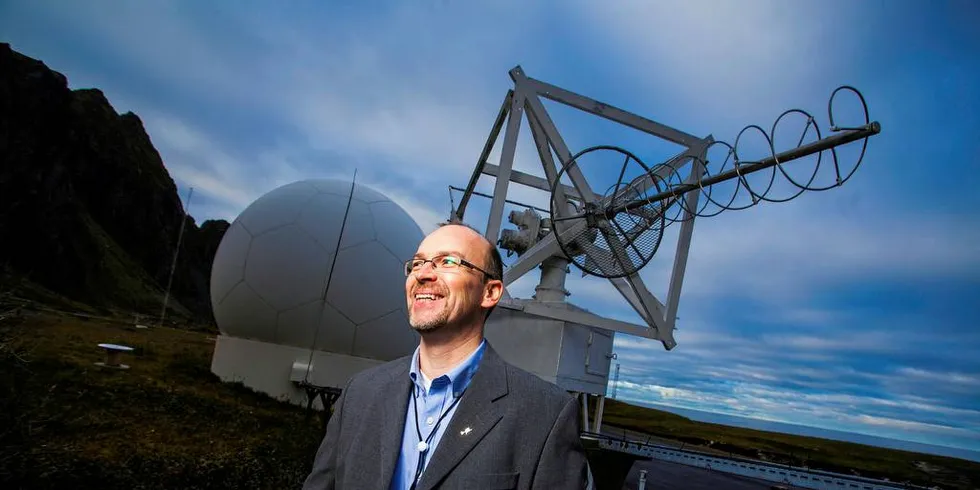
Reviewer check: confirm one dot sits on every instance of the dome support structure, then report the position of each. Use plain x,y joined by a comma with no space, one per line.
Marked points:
307,289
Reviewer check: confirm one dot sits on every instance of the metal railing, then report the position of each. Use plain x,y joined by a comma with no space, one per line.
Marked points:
774,472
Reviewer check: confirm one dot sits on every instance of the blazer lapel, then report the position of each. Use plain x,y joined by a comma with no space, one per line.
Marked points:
394,398
473,419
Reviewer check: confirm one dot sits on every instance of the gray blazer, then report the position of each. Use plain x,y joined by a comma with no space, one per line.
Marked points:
524,434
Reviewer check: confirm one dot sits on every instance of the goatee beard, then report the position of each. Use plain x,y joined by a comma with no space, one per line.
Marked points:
429,325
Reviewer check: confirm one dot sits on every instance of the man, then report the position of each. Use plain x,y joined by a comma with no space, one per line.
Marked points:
453,415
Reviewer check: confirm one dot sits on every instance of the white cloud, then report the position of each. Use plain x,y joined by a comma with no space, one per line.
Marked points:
865,342
913,426
707,56
828,410
424,215
350,90
436,139
231,181
195,161
937,376
665,393
779,252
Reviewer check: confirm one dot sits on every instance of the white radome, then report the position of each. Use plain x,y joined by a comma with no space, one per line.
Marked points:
272,266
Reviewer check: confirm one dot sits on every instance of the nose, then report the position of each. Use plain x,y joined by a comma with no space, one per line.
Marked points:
427,272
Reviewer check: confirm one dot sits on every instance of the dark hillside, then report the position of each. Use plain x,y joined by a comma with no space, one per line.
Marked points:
88,209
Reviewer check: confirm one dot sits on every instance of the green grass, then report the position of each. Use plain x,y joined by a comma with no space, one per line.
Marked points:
165,423
168,422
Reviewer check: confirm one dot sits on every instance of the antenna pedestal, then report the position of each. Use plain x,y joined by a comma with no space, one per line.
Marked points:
235,360
561,343
551,288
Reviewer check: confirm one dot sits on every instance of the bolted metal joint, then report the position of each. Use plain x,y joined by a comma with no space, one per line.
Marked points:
529,231
514,241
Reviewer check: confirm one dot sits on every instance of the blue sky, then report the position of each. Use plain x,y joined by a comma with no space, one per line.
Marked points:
854,309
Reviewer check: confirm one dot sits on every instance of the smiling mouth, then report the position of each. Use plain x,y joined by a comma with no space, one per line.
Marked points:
426,297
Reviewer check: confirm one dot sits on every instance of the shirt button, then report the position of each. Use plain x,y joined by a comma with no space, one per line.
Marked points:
430,421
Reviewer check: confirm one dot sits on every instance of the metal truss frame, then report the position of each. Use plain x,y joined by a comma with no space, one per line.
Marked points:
525,98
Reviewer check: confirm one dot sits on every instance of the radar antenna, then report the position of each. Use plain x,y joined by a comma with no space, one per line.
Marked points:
614,229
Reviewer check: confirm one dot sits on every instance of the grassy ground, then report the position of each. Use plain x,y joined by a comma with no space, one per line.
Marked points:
169,423
165,423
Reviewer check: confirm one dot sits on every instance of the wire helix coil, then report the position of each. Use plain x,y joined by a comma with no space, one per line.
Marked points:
617,233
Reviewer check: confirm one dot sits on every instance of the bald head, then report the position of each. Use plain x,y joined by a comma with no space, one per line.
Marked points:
485,252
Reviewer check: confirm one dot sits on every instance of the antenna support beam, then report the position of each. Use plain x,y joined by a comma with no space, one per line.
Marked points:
525,99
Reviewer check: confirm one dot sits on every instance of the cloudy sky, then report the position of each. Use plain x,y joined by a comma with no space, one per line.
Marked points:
853,309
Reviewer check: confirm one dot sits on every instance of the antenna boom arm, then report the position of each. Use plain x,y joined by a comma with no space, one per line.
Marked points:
844,137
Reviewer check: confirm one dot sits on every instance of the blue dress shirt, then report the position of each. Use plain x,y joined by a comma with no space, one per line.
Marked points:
439,400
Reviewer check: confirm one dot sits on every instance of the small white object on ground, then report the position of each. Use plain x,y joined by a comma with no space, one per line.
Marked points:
112,355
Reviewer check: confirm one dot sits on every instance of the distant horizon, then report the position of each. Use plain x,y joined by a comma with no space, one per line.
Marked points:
703,416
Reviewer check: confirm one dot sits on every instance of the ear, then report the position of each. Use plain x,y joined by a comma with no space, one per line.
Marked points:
492,292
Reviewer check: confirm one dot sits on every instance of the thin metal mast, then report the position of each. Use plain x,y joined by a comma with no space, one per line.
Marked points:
173,264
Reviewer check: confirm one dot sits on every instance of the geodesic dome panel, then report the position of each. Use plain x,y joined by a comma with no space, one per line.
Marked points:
276,208
250,314
364,231
391,229
350,263
236,242
372,339
287,280
271,271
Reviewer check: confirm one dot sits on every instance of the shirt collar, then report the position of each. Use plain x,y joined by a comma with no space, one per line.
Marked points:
459,377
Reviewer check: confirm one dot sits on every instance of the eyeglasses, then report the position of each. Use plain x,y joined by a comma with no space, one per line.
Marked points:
442,262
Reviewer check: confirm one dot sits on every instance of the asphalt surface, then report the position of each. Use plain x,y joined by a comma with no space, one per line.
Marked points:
663,475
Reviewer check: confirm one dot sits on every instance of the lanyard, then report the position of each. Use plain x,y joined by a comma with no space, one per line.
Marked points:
423,446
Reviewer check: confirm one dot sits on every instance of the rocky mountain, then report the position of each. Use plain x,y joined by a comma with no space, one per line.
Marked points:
87,208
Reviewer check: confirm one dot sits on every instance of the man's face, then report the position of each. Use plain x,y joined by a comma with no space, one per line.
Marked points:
456,295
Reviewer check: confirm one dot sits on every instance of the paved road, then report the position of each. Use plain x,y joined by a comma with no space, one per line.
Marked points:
663,475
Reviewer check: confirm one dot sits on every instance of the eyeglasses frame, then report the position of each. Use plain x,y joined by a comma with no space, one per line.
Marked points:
462,261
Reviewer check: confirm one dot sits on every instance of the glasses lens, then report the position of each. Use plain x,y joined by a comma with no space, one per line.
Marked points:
447,261
413,265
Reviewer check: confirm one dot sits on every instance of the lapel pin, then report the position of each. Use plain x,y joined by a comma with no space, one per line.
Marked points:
465,431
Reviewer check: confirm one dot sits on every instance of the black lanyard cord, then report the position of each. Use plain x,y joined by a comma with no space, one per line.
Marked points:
435,428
